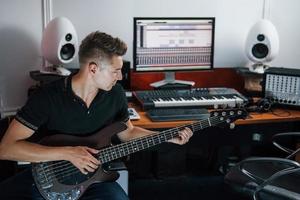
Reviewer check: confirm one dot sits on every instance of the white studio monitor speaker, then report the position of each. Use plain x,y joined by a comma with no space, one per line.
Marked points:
262,45
59,45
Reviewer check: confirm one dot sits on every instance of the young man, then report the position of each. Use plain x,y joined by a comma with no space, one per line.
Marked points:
78,105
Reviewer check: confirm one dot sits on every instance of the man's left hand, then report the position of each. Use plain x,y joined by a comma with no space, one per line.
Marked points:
183,137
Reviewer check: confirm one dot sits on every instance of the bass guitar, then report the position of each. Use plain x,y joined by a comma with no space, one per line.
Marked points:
61,180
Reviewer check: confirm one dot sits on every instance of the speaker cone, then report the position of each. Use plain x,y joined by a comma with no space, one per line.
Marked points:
67,51
260,50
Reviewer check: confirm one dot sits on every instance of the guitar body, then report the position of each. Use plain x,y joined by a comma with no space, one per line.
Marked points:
52,186
61,179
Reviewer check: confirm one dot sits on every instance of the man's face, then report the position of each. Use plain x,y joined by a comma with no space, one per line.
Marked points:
107,76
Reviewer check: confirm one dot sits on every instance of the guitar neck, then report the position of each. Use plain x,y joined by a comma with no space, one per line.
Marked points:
127,148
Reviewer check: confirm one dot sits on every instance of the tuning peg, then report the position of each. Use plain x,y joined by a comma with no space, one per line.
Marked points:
232,125
215,114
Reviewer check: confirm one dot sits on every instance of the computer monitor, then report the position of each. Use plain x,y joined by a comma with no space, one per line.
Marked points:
173,44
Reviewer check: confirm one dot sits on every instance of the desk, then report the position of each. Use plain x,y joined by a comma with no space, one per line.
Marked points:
277,115
274,116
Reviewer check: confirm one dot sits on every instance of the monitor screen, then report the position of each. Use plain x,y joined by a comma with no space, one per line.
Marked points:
173,44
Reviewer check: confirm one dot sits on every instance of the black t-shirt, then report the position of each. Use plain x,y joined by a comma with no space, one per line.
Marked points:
56,108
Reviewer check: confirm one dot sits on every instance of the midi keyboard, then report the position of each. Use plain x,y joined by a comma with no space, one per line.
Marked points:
196,97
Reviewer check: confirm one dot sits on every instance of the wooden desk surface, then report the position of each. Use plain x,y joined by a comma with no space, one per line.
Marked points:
276,115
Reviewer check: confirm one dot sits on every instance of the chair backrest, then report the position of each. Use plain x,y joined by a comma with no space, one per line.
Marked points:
268,177
292,152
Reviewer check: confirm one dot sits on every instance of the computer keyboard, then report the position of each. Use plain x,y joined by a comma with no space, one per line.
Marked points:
177,114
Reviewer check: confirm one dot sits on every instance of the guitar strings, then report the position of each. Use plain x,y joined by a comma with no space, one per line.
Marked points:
108,149
123,144
71,169
74,168
166,132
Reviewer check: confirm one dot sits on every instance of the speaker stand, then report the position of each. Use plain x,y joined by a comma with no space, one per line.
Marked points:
56,70
258,68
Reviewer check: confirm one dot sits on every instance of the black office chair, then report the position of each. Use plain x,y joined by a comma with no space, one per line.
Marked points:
268,178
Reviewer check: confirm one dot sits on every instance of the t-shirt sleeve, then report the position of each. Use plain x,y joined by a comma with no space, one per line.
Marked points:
35,112
122,114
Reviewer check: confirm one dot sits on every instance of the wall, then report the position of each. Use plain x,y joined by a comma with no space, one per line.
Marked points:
20,35
21,31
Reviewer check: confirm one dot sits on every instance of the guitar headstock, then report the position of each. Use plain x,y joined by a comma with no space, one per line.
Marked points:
229,115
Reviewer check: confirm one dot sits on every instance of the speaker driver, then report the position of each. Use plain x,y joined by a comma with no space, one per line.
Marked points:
260,50
67,51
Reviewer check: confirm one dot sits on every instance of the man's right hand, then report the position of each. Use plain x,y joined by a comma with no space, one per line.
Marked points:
82,157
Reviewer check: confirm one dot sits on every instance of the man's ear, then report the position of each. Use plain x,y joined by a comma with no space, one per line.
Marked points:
93,67
93,70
